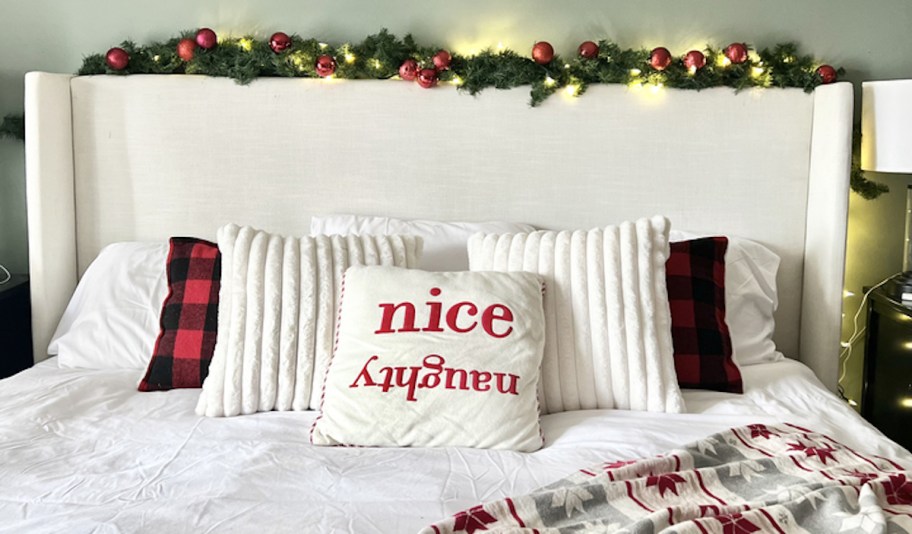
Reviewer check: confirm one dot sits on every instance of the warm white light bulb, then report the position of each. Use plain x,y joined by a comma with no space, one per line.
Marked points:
549,82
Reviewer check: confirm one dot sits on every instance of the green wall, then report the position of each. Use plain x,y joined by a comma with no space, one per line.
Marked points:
870,39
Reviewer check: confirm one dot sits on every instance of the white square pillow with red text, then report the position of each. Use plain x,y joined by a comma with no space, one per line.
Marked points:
434,360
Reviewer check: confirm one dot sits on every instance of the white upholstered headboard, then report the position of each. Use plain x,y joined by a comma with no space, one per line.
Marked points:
113,158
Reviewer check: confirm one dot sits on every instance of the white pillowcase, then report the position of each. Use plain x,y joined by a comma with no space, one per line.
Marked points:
112,319
751,298
435,360
444,242
608,342
278,305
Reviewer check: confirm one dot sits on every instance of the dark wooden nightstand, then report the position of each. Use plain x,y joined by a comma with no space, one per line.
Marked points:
15,326
886,399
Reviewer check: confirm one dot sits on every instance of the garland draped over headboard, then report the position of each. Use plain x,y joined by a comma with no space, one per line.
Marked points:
385,56
380,56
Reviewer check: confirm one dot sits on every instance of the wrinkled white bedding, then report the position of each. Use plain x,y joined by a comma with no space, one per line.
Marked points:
83,451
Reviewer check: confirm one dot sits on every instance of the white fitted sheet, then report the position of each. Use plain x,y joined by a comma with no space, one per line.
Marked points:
83,451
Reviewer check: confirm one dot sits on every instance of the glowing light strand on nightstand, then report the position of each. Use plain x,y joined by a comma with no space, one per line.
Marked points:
846,353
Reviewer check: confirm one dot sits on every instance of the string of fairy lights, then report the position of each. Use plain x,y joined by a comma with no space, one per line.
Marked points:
385,56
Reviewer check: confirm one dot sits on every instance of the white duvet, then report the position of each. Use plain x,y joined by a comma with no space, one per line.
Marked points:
83,451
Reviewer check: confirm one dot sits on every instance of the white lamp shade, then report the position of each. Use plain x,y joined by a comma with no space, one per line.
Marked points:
886,126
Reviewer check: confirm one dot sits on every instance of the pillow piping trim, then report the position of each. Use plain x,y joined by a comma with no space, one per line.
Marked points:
332,359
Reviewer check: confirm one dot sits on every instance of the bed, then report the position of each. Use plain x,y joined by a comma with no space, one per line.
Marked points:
143,158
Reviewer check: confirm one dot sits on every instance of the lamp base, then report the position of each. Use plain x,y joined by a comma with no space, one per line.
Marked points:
900,287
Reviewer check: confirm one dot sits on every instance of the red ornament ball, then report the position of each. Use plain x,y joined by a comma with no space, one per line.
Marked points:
542,53
408,71
660,58
736,53
827,74
186,48
279,42
325,66
206,38
117,58
427,78
588,50
442,60
694,60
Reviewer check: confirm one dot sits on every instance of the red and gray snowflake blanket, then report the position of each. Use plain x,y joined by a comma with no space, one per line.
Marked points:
758,478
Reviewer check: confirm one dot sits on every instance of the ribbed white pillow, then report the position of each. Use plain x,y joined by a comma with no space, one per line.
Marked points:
608,342
277,312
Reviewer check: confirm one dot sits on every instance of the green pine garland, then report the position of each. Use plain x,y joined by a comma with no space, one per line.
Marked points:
867,189
378,57
13,126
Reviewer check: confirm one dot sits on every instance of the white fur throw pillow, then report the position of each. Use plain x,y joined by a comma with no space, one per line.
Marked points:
277,312
435,359
608,342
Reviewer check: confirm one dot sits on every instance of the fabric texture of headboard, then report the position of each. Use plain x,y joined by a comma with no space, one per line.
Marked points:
114,158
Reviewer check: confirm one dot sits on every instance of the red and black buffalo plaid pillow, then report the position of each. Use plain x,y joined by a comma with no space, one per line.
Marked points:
189,317
695,275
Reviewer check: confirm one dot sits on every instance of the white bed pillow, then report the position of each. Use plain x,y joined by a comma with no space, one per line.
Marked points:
278,304
751,298
112,319
444,247
435,360
608,342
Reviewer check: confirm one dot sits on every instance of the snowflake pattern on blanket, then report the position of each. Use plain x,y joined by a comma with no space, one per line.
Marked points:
758,478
